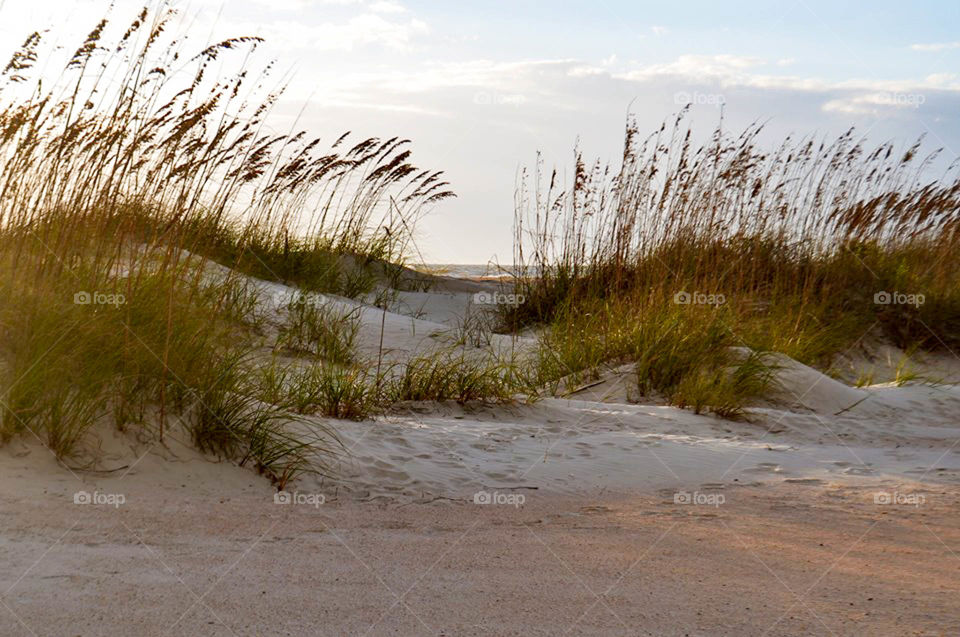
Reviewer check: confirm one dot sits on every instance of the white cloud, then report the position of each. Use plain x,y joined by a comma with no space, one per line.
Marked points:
659,30
387,6
739,71
286,6
473,74
935,46
701,67
369,29
366,29
875,103
377,6
557,83
316,25
355,102
941,79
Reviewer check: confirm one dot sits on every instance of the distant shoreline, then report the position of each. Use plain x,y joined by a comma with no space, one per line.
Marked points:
475,271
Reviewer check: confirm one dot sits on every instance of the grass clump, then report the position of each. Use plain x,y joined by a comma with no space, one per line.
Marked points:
353,392
724,386
333,391
451,375
688,357
319,331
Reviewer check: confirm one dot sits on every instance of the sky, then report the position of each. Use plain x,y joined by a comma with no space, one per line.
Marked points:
481,87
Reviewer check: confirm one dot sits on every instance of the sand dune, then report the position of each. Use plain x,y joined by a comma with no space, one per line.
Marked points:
573,503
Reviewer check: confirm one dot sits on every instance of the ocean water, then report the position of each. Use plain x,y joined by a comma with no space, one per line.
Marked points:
470,270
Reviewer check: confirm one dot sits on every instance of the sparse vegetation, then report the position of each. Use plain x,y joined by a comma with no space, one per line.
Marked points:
904,372
452,375
334,391
319,331
686,356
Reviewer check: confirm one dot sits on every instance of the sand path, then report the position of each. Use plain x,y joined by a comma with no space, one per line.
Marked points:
785,560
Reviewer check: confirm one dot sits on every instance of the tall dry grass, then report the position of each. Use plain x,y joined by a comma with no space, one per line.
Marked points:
797,240
119,183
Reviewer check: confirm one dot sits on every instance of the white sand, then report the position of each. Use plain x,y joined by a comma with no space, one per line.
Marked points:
596,440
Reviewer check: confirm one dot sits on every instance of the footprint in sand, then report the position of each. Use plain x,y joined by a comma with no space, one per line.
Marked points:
859,471
596,509
400,477
713,485
764,467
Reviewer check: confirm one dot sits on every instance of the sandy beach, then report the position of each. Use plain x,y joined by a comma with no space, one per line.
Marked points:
828,511
786,559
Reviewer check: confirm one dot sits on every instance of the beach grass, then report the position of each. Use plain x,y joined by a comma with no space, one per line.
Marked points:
122,186
680,252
